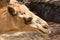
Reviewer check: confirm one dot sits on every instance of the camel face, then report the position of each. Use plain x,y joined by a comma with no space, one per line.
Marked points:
22,14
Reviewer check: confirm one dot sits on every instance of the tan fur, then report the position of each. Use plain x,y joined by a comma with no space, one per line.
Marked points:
7,23
16,23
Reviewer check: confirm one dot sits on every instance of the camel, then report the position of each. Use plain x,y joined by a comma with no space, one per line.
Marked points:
17,17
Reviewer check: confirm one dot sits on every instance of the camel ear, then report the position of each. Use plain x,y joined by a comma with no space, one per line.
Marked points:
11,11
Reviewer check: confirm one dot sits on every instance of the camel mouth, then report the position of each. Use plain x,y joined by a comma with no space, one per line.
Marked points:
44,31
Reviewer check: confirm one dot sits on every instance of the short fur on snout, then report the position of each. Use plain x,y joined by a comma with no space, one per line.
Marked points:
11,19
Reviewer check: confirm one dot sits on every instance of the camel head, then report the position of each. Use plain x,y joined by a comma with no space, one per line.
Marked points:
27,18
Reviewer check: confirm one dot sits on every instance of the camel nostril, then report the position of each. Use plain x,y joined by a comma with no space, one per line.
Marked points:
27,19
45,27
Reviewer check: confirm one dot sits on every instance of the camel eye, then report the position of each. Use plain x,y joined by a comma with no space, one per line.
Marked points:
12,11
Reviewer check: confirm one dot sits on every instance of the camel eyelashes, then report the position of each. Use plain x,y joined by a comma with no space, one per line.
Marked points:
11,11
